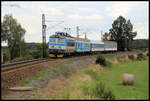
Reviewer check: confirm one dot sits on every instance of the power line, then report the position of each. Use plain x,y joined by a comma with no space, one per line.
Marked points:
11,5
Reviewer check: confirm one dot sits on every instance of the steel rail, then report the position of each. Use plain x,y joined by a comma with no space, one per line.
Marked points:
20,62
16,65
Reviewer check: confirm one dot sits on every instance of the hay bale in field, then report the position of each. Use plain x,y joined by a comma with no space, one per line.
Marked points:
128,79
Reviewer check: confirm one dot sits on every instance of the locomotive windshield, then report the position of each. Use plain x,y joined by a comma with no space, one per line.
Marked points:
56,40
52,40
60,40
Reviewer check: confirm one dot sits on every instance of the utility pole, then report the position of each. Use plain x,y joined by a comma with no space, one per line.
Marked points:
44,35
85,35
101,35
77,31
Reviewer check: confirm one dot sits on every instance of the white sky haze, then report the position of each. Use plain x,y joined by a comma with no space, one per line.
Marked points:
91,17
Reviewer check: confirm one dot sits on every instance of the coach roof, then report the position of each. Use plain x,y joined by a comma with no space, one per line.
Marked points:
110,42
96,42
81,39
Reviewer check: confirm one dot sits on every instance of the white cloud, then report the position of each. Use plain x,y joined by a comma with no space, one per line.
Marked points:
142,30
120,8
94,16
51,11
75,17
31,23
89,17
31,30
85,9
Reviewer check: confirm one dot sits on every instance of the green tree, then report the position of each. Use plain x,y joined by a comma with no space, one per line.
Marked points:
6,56
122,33
105,36
13,33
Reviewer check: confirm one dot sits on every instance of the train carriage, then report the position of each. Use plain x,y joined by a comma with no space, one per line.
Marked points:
82,45
97,46
62,44
110,46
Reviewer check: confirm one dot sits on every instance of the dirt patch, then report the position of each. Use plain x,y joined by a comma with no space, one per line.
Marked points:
52,88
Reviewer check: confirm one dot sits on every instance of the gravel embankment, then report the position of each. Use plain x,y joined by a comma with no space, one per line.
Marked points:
68,67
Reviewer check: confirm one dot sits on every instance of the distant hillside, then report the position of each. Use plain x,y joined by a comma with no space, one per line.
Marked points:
31,45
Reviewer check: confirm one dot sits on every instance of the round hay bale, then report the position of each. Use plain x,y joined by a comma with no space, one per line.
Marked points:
128,79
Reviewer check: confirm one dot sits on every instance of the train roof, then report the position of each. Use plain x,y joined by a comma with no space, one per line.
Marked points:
81,39
96,42
110,42
62,35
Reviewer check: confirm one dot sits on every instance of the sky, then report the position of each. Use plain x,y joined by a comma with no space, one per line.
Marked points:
93,18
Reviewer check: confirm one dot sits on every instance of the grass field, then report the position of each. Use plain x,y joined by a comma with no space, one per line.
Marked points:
112,77
83,85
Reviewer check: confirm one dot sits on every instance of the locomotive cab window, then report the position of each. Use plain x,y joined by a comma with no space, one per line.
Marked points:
70,43
52,40
60,41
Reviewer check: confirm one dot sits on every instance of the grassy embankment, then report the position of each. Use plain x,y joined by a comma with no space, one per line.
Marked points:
87,83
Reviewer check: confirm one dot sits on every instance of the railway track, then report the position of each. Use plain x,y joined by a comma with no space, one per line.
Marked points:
15,65
11,66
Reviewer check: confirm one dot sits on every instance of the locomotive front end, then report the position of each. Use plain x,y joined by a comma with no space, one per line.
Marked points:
57,47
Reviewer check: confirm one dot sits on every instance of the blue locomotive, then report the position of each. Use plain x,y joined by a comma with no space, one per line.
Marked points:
61,44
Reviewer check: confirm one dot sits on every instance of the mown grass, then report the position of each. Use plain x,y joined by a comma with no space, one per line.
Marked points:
91,83
113,78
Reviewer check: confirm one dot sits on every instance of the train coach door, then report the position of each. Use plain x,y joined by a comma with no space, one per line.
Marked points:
80,45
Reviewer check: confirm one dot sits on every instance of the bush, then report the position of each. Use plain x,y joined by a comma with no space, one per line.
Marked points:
27,57
101,60
108,63
17,59
6,56
35,54
141,56
131,57
108,95
99,90
147,54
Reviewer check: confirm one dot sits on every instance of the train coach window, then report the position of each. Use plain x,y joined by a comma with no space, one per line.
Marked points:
86,45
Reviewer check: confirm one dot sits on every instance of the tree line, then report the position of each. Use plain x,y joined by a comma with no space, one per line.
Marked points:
122,33
13,33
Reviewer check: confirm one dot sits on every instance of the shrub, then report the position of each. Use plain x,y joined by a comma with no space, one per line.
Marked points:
35,54
108,63
108,95
101,60
6,56
27,57
17,59
141,56
147,54
131,57
99,90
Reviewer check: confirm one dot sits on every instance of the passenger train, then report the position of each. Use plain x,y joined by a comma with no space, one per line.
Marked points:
62,44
